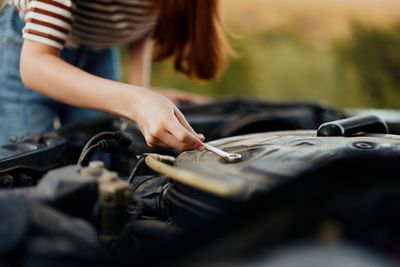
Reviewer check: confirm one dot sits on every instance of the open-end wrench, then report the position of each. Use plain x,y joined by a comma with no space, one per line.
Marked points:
229,157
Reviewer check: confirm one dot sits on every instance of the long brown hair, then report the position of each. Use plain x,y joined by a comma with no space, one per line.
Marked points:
190,32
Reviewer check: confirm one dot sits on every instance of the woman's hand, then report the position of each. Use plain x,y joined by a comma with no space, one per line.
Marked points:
180,97
162,124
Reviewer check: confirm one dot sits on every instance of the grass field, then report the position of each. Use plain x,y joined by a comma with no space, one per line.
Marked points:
342,53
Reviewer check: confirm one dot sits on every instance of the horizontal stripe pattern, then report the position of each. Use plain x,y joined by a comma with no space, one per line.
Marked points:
94,24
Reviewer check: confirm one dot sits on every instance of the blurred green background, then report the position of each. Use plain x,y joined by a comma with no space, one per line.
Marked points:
344,53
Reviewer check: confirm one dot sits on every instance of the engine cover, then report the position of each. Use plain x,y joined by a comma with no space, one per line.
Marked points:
270,159
286,165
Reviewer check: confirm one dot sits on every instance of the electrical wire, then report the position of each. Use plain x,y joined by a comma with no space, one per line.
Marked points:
86,152
107,141
135,169
96,138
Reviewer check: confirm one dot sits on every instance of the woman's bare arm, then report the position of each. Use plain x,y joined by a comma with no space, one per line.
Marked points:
161,122
139,63
139,70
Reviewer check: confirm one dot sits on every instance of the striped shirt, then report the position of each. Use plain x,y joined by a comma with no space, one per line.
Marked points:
93,24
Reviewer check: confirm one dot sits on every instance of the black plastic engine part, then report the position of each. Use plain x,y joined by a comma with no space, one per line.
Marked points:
352,126
299,162
28,158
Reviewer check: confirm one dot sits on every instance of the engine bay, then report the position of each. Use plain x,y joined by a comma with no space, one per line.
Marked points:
312,184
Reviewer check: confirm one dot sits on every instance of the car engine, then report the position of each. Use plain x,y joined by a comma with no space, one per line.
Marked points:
313,184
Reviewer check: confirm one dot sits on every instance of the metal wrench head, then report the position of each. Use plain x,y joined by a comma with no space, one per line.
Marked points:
233,157
228,157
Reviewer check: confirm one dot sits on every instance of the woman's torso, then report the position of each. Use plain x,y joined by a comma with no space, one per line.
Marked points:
94,24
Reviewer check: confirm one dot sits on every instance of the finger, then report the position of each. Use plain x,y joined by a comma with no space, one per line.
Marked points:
160,143
163,138
201,137
170,141
153,141
184,135
199,100
152,137
189,98
182,120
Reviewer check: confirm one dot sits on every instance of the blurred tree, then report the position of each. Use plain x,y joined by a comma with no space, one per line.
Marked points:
361,71
372,56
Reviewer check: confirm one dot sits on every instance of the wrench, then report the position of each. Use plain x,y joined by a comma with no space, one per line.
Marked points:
229,157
